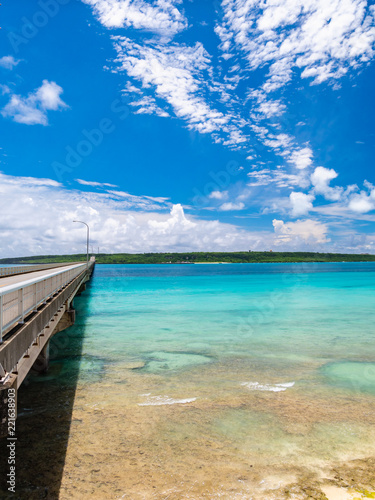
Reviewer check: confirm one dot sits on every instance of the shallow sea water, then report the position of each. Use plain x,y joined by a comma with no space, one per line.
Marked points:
215,381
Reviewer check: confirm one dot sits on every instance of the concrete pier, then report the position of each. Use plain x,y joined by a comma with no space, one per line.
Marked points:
41,364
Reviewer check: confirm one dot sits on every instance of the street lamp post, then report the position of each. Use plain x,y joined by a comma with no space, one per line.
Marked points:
88,240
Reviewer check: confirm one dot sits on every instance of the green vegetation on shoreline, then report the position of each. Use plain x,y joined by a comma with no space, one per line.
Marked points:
196,257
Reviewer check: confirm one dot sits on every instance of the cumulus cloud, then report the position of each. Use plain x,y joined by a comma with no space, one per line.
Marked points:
177,219
32,110
321,179
363,202
301,158
302,231
301,203
37,217
8,62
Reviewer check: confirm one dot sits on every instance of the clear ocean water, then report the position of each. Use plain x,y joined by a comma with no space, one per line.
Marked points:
283,317
214,378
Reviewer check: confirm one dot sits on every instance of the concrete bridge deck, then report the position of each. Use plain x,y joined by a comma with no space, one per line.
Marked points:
33,307
23,269
18,278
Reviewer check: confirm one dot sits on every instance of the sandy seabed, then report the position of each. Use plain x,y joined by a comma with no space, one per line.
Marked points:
195,434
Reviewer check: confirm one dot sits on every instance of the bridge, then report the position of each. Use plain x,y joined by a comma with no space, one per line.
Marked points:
35,304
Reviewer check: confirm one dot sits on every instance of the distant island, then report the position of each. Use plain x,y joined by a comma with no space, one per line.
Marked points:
196,258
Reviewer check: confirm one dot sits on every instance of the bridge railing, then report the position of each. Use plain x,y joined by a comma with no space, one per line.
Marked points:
11,270
17,301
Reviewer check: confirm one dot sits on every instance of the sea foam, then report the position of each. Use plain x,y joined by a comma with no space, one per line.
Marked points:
165,400
255,386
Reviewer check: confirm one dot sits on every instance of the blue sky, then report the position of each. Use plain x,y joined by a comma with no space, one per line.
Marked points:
187,125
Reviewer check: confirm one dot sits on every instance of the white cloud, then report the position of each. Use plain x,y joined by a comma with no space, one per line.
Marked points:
131,89
271,108
95,184
280,39
162,17
48,96
282,144
146,203
180,75
176,74
317,39
218,195
27,182
177,219
301,203
8,62
321,179
301,231
147,105
171,71
301,158
229,206
278,142
363,202
4,89
32,110
37,217
277,177
341,213
23,110
285,146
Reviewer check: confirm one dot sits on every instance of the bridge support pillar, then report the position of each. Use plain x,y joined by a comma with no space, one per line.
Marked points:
81,289
67,319
8,403
42,361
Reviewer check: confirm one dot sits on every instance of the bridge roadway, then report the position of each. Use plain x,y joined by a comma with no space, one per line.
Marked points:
28,268
30,276
34,307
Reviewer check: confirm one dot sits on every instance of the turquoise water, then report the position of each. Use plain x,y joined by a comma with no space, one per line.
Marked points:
288,316
262,375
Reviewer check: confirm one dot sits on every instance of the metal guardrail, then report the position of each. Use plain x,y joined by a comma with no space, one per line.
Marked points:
18,300
11,270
